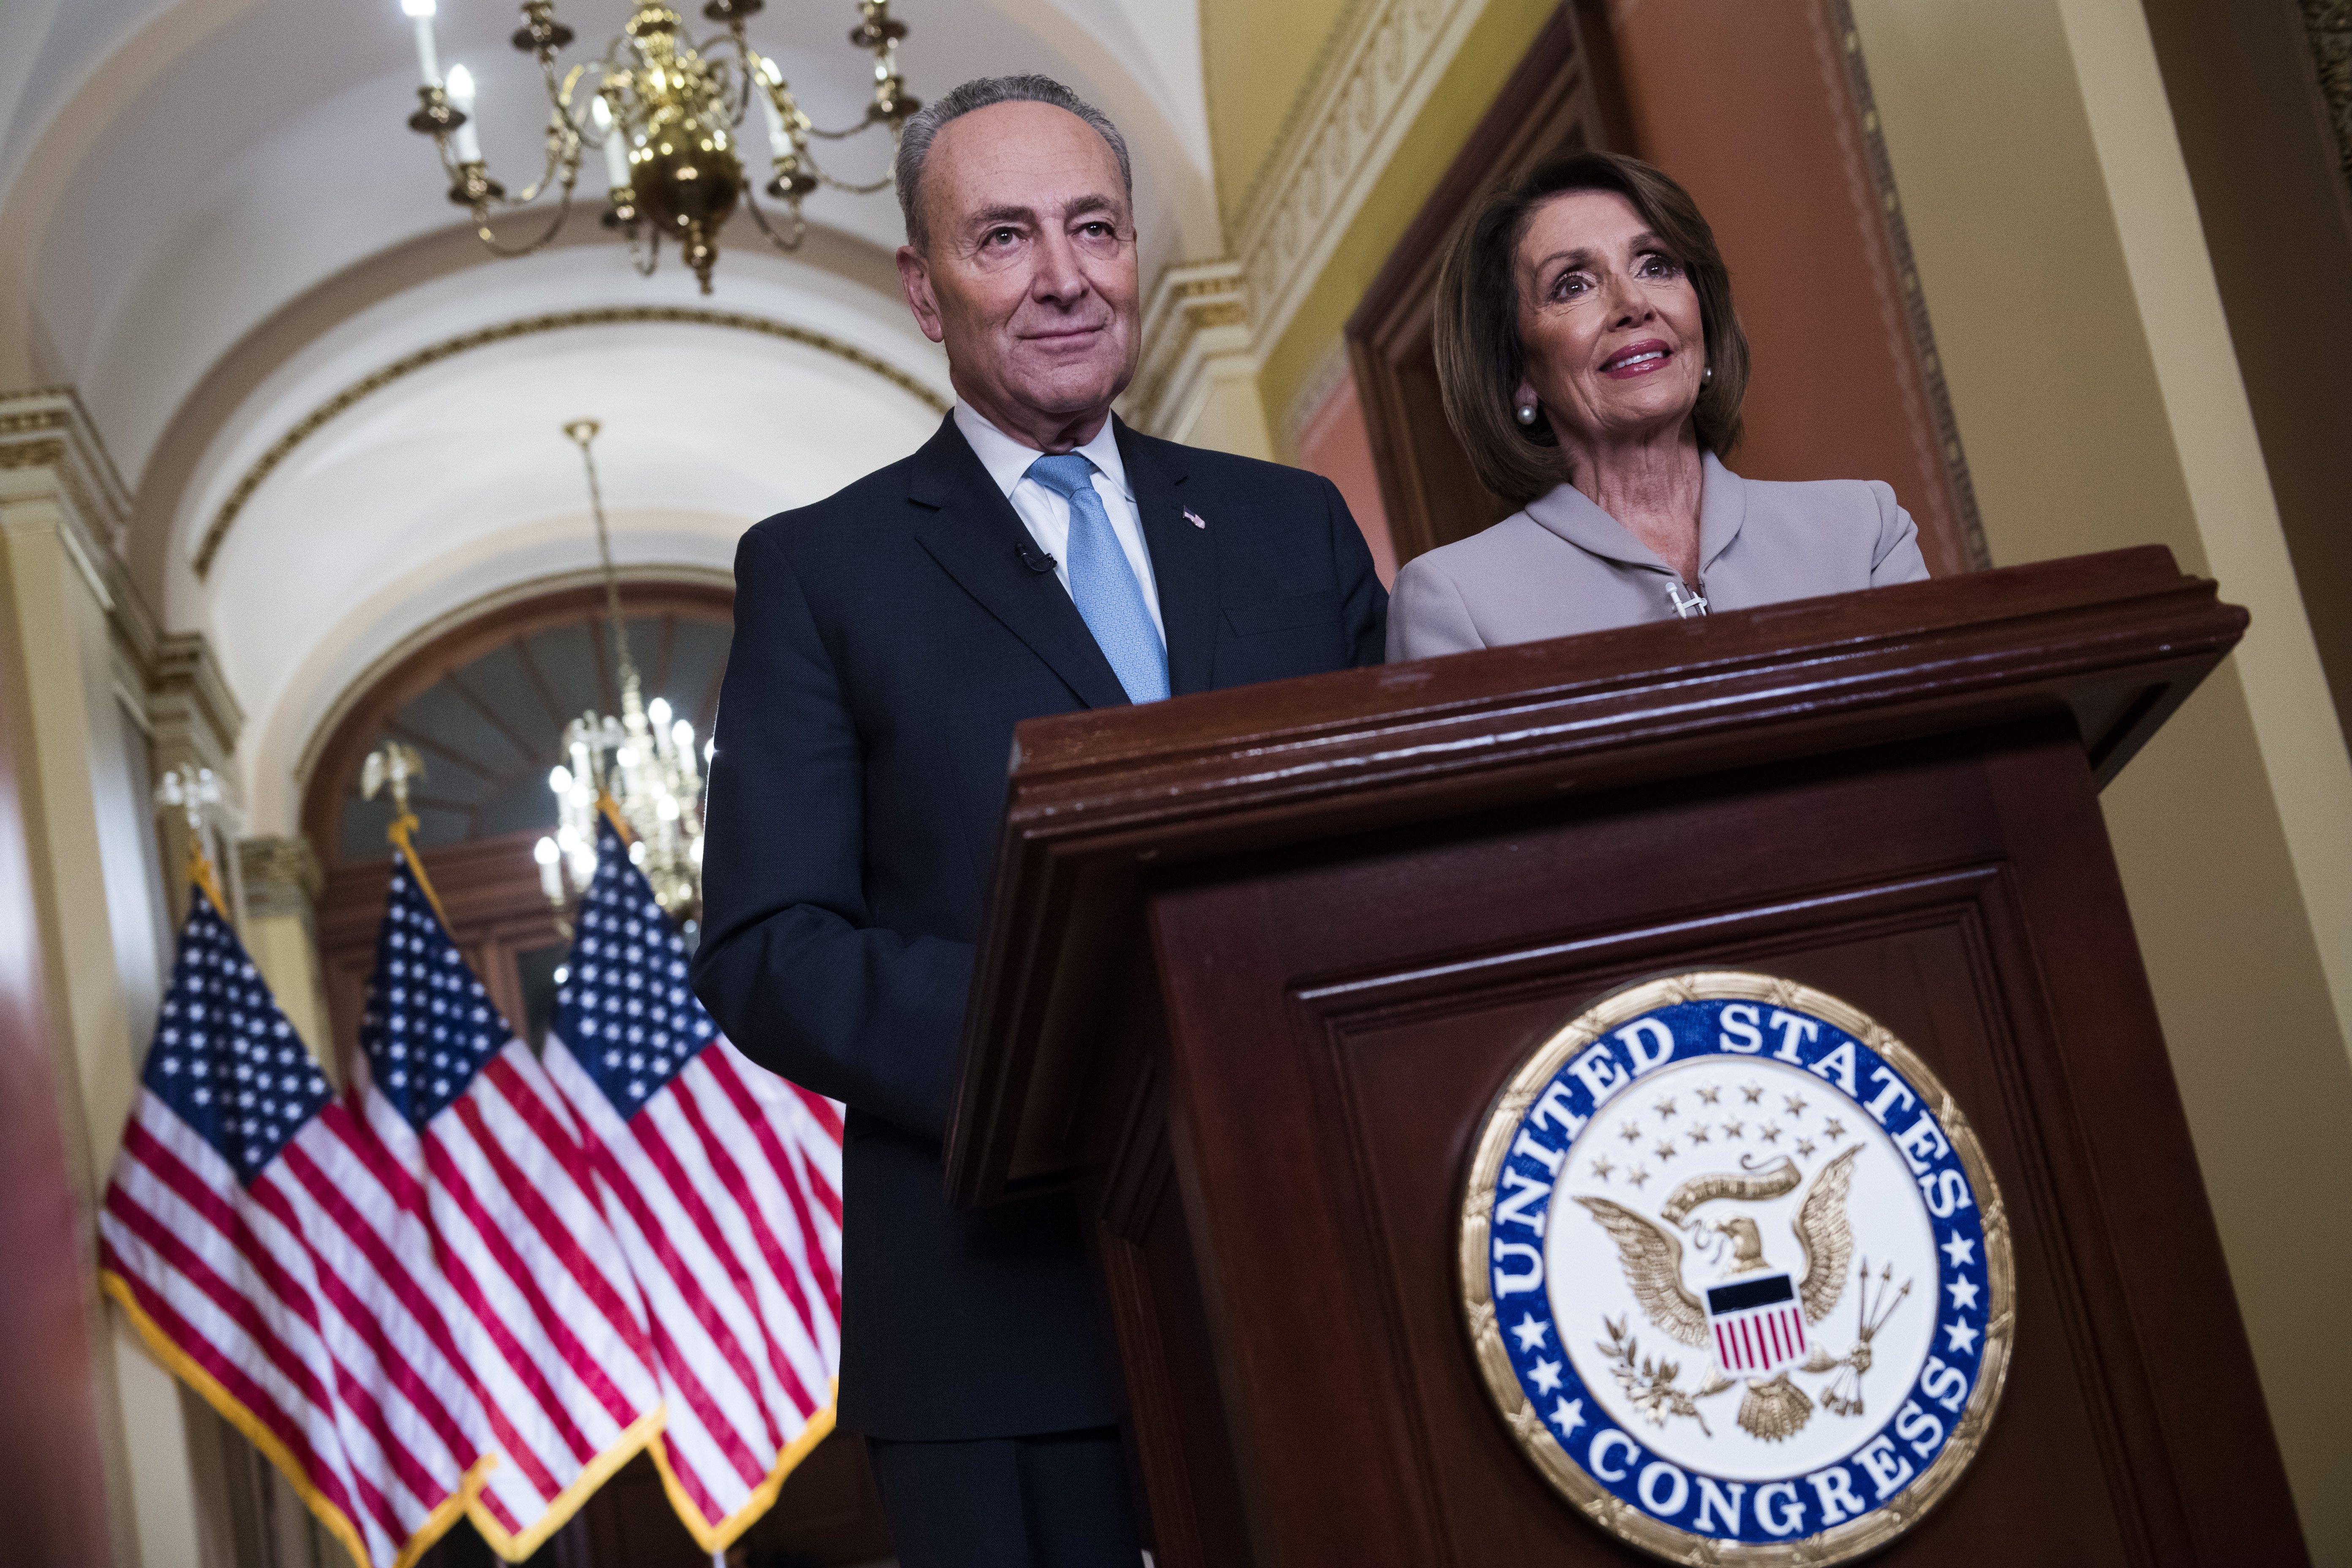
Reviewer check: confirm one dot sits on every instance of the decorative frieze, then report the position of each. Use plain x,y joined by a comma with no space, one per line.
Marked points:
1209,324
1388,57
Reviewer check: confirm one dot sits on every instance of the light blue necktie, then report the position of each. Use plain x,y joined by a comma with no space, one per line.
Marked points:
1109,598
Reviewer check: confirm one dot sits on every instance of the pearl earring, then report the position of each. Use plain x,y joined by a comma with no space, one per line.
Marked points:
1527,413
1706,375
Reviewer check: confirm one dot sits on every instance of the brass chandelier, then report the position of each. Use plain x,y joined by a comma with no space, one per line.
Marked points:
664,111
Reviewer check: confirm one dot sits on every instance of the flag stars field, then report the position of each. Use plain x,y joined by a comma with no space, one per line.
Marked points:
486,1279
723,1182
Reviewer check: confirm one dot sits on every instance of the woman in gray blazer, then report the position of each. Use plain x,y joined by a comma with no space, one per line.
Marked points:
1593,368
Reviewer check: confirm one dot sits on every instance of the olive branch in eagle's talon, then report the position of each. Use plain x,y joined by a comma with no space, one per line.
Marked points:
1650,1384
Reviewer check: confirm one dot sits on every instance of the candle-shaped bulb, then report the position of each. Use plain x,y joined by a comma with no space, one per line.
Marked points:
780,140
464,140
616,144
682,734
657,712
428,61
559,779
550,876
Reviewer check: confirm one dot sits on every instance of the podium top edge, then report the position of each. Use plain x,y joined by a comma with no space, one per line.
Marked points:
2101,598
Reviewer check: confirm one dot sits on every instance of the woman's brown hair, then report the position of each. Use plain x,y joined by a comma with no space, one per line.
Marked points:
1481,360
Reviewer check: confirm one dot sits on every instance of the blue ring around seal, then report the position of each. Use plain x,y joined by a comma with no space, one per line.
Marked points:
1899,1449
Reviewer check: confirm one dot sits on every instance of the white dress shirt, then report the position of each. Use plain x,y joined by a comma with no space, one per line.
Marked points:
1048,514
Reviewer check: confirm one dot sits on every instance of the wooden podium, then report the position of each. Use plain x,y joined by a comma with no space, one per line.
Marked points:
1259,960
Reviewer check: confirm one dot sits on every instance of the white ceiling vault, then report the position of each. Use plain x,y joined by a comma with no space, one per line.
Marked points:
220,223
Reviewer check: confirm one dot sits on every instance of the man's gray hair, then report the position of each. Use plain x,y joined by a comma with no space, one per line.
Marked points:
923,129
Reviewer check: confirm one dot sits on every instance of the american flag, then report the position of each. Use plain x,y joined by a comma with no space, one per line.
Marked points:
477,1168
228,1238
723,1184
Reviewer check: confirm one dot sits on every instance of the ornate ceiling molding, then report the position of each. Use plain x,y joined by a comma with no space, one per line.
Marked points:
1388,57
209,548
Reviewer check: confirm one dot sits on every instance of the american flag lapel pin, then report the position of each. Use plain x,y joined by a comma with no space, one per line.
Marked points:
1195,519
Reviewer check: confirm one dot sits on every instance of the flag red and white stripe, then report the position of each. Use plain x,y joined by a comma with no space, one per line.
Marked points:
474,1162
227,1235
723,1182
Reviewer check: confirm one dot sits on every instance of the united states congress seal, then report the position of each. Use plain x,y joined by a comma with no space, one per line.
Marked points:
1736,1273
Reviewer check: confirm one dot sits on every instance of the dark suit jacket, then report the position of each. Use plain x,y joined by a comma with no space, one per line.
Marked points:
887,640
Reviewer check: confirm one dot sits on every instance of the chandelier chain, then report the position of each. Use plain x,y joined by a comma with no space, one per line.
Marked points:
638,769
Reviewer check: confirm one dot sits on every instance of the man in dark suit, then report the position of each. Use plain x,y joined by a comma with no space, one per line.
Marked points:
1037,556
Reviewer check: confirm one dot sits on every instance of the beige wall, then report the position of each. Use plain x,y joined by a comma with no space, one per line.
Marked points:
1255,61
2101,405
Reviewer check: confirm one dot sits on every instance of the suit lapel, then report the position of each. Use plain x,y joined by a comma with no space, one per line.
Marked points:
1184,559
974,535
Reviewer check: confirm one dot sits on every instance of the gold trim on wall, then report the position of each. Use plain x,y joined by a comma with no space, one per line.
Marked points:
1378,68
1915,299
2328,24
533,326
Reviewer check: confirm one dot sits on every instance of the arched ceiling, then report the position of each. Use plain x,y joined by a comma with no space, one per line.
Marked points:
218,225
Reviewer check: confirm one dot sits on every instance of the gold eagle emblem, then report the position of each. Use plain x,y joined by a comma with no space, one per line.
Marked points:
1651,1254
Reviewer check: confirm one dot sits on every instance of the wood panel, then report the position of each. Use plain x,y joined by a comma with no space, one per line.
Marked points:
2116,641
1398,1034
1367,896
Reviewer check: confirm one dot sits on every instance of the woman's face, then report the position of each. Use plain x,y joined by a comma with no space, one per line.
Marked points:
1615,348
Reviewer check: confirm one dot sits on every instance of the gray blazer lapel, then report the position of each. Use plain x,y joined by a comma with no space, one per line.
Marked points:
1184,559
1573,516
976,537
1722,508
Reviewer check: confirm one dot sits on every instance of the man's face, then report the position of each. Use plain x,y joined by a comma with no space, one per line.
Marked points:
1030,278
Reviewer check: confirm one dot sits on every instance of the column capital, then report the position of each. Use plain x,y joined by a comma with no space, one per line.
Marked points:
282,877
1196,335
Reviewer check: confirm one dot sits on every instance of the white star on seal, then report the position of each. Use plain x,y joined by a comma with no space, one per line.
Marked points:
1964,1293
1567,1415
1531,1332
1546,1376
1959,1249
1964,1338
